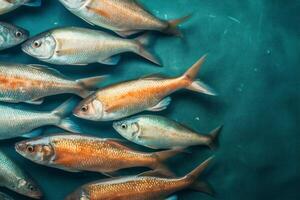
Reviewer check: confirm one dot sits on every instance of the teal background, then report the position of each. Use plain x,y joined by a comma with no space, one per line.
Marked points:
253,64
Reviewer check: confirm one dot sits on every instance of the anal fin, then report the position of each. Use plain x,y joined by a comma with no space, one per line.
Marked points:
114,60
127,33
36,101
162,105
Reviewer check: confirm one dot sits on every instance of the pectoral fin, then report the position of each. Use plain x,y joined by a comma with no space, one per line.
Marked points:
161,105
114,60
36,101
34,133
175,197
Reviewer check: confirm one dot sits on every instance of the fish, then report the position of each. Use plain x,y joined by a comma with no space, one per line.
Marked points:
158,132
131,97
11,35
76,153
124,17
21,122
13,177
5,196
31,83
10,5
142,187
82,46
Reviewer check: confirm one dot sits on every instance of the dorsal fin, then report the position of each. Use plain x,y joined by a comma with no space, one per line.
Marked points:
46,69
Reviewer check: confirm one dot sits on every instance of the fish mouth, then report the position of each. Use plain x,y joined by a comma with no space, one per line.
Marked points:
20,148
37,195
25,48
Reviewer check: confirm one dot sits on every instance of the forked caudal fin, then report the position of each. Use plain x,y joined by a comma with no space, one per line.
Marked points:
197,85
192,178
161,157
63,111
89,85
143,41
172,28
34,3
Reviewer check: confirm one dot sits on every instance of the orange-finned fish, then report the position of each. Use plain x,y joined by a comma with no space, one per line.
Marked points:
125,17
141,187
84,153
128,98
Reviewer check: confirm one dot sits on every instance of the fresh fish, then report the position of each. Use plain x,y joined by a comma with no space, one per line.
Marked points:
11,35
84,153
125,17
15,179
10,5
31,83
159,132
15,122
141,187
81,46
128,98
5,197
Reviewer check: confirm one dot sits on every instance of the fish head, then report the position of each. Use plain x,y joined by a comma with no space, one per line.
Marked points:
14,35
73,4
128,128
91,109
42,46
39,150
79,194
28,188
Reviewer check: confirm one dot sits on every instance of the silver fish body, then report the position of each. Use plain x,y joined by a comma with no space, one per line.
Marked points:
31,83
10,5
11,35
159,132
81,46
14,178
15,122
125,17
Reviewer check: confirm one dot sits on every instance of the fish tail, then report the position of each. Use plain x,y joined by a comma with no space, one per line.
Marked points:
214,137
193,176
172,28
34,3
89,85
197,85
161,157
62,112
143,41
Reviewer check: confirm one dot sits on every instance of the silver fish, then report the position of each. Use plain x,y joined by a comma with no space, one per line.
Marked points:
81,46
31,83
125,17
11,35
142,187
159,132
15,122
15,179
10,5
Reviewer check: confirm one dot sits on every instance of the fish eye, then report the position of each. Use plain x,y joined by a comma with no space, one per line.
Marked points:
84,108
30,149
19,34
31,188
123,126
37,44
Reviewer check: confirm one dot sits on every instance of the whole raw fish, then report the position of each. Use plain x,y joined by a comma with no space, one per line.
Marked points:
5,197
31,83
84,153
128,98
141,187
125,17
81,46
15,179
15,122
10,5
11,35
159,132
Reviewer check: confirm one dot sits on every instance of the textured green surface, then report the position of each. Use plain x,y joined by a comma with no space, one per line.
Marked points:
253,63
